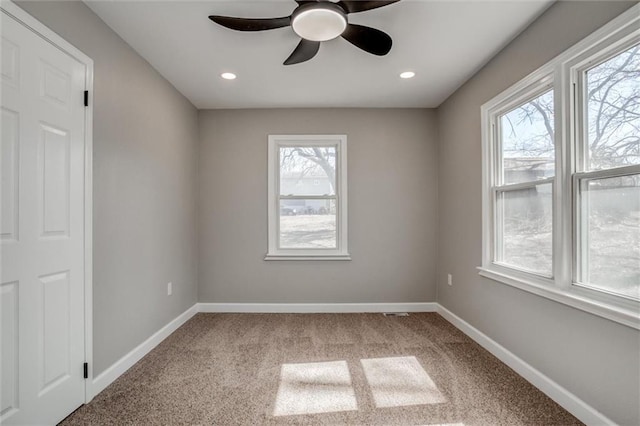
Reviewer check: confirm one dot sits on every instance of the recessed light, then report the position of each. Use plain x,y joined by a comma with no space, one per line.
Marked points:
407,74
228,76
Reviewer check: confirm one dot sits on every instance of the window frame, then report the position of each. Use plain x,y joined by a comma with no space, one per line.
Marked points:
581,170
498,186
275,252
564,75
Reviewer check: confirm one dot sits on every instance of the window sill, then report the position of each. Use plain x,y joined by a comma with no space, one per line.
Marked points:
307,257
625,315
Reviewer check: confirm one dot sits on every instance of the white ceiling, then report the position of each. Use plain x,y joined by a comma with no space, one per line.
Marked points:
443,42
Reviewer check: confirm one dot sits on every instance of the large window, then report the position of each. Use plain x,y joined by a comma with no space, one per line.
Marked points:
307,197
561,158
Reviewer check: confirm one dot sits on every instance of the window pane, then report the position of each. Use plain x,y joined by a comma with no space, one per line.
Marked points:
307,170
611,235
524,228
527,141
307,224
613,111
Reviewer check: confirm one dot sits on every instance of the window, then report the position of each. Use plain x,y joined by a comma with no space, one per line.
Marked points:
523,190
607,179
307,197
561,177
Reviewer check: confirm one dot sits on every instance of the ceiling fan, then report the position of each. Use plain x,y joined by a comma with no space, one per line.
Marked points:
316,21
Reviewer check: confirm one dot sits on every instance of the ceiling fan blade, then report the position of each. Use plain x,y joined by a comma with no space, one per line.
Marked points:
301,2
251,24
355,6
305,50
368,39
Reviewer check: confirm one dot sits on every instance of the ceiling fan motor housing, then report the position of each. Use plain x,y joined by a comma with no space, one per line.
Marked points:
319,21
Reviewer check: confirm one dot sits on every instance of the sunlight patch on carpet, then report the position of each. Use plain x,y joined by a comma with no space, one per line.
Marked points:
317,387
400,381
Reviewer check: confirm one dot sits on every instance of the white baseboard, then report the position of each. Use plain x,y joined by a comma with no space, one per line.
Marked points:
563,397
107,377
580,409
304,308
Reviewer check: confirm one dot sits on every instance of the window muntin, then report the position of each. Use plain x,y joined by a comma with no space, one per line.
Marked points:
595,196
307,197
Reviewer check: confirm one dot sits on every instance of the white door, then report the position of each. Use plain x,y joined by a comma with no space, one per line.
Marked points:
42,229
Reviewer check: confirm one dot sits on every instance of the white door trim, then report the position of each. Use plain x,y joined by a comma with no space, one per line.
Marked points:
40,29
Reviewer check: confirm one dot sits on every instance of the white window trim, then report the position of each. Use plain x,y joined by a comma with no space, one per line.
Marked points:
341,252
561,74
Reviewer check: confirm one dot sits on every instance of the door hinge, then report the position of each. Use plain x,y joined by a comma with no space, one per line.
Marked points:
86,98
86,370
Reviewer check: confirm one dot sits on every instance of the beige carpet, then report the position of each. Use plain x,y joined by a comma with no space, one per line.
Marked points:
357,369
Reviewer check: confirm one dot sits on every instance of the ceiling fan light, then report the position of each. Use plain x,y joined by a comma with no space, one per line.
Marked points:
319,23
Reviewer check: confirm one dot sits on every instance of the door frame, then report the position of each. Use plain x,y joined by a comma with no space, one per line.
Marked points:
31,23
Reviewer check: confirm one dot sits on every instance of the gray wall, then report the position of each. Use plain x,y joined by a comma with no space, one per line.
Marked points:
146,193
595,359
145,142
392,210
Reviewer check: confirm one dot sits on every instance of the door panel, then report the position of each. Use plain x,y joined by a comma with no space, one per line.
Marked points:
9,318
9,175
54,333
10,63
42,229
55,85
53,176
